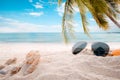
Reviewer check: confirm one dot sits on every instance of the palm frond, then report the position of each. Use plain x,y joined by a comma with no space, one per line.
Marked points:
114,4
96,12
99,9
100,12
82,10
67,22
113,10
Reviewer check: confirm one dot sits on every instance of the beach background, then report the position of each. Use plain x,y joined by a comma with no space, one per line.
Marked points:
35,25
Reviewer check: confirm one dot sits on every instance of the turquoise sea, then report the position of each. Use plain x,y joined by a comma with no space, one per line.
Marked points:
57,37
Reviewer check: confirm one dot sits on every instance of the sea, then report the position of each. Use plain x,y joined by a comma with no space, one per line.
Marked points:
58,38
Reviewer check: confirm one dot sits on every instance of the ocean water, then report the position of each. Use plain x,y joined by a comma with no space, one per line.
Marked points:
57,37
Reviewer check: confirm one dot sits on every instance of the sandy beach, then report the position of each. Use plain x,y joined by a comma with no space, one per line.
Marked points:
58,63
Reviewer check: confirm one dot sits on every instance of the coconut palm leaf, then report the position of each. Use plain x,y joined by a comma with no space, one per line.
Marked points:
82,10
97,12
99,9
67,26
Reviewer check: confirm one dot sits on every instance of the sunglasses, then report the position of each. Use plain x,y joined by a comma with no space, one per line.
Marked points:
98,48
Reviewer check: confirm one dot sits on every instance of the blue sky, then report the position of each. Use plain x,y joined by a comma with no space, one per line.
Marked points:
36,16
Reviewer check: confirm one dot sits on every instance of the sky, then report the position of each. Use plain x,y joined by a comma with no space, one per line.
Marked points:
38,16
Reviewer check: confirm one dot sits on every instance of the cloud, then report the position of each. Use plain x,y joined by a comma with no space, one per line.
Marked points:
38,5
7,19
11,25
36,13
30,1
52,3
60,9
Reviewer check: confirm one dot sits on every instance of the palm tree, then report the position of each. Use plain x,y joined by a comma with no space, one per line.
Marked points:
99,9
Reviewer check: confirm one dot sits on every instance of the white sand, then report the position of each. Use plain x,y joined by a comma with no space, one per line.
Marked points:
58,62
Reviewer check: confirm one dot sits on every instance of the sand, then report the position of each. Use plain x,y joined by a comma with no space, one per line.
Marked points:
58,63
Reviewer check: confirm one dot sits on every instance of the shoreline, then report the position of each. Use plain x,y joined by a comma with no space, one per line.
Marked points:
14,49
111,44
